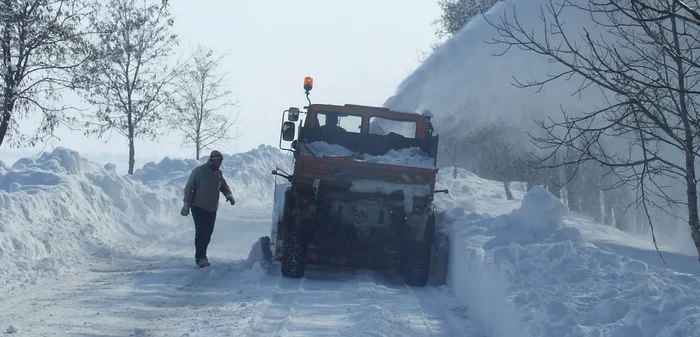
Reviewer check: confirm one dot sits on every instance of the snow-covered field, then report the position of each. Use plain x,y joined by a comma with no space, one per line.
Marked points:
85,251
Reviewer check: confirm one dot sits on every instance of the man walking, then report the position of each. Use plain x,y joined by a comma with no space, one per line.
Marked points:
202,197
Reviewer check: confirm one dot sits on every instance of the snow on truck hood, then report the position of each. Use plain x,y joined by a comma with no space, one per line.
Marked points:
411,157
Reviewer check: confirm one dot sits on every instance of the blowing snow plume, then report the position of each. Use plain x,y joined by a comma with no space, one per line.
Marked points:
463,80
472,94
470,89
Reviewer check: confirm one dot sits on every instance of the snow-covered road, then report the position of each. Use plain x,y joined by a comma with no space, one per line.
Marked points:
157,291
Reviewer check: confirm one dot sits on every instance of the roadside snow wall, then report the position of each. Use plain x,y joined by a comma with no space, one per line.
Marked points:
60,210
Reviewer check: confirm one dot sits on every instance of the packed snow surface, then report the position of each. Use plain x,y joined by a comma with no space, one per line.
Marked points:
412,157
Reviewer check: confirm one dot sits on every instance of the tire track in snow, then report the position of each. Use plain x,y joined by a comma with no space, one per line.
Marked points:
388,309
350,304
448,309
276,309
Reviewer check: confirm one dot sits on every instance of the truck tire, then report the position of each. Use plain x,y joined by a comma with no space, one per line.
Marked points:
294,257
415,263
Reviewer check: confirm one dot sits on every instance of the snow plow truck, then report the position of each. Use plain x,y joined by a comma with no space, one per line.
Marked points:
360,194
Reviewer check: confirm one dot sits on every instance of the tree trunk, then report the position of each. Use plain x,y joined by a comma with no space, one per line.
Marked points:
590,193
506,186
693,219
8,102
692,193
689,142
621,221
552,187
6,115
131,137
572,197
132,153
608,204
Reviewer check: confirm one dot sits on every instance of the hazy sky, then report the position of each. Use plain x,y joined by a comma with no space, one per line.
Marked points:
357,51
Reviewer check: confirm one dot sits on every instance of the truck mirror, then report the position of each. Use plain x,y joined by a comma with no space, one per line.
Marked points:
288,131
293,114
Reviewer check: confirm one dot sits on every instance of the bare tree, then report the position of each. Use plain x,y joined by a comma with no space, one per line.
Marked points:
199,99
646,62
457,13
128,79
453,153
39,41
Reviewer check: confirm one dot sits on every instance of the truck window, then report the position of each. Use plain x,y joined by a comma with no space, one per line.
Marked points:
383,126
350,123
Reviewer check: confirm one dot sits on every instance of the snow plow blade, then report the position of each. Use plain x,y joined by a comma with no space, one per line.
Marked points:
260,253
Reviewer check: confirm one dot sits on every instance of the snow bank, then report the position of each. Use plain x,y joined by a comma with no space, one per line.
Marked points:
471,193
525,274
540,211
60,210
413,157
249,175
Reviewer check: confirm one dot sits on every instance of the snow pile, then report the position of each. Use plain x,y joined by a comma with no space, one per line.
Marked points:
248,174
470,193
412,157
523,273
540,211
60,209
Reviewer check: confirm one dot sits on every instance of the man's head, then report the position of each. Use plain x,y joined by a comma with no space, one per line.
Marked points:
331,119
215,158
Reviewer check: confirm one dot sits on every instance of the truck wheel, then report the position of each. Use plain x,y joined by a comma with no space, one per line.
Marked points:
415,266
294,259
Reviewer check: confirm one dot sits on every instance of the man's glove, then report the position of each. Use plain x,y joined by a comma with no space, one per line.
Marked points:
230,199
185,211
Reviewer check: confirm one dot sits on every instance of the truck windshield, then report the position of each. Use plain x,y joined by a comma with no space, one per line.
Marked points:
337,122
343,132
